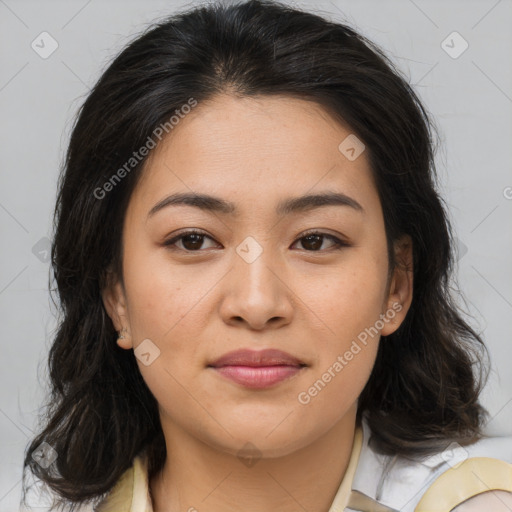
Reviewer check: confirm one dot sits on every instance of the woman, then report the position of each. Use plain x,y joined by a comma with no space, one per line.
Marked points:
249,200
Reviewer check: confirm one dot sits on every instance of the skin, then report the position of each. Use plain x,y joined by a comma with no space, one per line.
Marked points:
305,298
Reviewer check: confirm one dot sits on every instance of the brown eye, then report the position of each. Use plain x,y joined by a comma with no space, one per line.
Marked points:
191,241
313,242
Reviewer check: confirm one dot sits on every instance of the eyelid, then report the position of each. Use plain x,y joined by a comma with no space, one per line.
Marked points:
338,241
318,231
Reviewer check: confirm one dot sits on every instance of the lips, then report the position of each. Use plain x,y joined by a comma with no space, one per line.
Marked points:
269,357
257,369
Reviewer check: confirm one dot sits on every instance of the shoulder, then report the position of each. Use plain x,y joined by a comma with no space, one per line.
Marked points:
454,477
472,483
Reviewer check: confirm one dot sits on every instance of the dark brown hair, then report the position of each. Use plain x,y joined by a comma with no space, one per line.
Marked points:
424,388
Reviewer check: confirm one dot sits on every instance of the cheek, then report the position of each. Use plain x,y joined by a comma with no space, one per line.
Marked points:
161,296
167,307
349,308
349,304
347,299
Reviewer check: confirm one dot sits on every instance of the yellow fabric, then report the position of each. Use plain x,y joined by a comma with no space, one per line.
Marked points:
131,492
341,498
465,480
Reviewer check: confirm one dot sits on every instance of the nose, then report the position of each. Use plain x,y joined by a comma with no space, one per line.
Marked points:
257,292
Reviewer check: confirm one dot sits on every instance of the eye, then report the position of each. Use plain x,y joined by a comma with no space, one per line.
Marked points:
314,240
191,241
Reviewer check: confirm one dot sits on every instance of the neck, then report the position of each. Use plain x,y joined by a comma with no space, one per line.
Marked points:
197,477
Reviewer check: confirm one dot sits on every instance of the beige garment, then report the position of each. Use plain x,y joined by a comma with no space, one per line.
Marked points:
131,493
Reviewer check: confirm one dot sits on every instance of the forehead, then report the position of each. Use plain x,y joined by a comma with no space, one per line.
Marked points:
254,150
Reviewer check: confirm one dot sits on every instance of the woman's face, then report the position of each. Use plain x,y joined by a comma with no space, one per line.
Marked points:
253,279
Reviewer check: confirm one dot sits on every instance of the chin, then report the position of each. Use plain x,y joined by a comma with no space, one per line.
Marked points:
259,440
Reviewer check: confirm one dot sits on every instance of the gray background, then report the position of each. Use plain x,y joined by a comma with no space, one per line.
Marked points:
469,96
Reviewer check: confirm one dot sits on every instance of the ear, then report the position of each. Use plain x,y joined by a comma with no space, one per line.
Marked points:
399,296
114,300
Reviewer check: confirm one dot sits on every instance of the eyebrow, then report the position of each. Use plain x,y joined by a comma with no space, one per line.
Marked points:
285,207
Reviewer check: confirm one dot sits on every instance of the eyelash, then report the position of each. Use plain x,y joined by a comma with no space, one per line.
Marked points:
338,244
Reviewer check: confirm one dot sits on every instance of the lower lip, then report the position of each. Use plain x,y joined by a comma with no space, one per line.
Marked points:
258,377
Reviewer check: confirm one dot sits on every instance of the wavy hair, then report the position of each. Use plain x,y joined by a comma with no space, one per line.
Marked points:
424,388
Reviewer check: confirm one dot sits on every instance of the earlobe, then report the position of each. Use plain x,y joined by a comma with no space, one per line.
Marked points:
123,339
115,305
401,287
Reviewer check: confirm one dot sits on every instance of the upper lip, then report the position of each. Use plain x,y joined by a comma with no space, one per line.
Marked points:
245,357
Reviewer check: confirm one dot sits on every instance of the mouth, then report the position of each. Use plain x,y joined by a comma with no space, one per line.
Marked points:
257,369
